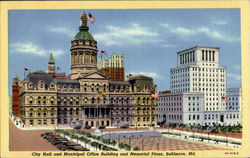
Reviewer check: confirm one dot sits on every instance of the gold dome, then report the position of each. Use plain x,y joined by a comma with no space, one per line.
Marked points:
83,15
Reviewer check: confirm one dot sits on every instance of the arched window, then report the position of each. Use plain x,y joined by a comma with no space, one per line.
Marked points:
52,112
71,111
65,111
44,100
44,112
39,112
65,100
85,87
52,100
93,100
111,100
71,100
104,87
85,100
39,100
31,113
31,100
97,87
104,101
77,101
92,87
58,100
77,111
138,100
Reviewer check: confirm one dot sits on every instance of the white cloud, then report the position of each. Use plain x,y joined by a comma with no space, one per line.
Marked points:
182,30
216,22
216,35
164,24
169,45
133,34
30,48
149,74
62,30
234,76
201,30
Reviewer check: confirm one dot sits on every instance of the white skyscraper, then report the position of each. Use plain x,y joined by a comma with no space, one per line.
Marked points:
198,70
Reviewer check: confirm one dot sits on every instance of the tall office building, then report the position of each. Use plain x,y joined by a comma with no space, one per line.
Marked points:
198,70
113,67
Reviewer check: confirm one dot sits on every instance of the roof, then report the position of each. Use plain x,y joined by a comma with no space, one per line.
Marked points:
51,59
141,77
84,34
35,77
66,81
39,72
196,47
119,82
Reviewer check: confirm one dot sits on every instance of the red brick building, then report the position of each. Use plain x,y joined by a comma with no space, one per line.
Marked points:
115,74
15,97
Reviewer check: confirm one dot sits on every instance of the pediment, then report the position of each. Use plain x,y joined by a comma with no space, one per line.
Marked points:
95,75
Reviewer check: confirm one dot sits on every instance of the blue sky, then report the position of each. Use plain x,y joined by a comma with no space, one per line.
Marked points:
148,38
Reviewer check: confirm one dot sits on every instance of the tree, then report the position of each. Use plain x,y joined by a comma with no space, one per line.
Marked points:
192,127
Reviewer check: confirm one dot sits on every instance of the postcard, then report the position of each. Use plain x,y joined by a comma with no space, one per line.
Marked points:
127,79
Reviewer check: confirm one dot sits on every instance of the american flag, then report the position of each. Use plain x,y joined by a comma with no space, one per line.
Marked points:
131,76
26,70
224,99
58,68
103,52
91,18
154,93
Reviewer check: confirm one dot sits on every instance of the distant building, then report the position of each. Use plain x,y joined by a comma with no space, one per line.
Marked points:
15,97
181,108
113,67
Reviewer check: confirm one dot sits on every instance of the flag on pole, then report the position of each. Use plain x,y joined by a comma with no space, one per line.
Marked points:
26,70
103,52
58,69
224,99
154,93
91,18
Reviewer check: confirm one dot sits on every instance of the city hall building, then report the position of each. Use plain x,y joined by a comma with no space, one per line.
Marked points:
87,96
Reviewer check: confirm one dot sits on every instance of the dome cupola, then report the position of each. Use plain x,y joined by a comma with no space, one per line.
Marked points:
83,51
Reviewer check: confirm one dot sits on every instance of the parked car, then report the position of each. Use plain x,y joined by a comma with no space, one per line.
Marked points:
87,127
102,127
124,126
78,127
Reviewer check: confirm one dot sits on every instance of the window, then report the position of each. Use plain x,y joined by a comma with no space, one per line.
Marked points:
44,100
31,122
39,100
30,100
45,122
52,100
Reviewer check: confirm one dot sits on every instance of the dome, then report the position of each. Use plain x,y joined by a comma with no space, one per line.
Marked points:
85,35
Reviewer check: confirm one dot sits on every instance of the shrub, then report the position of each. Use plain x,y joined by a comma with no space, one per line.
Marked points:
136,149
121,145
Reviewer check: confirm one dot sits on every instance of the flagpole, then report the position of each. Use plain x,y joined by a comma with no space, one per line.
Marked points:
24,74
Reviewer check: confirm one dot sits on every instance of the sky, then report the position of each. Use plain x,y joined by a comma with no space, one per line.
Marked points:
148,38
